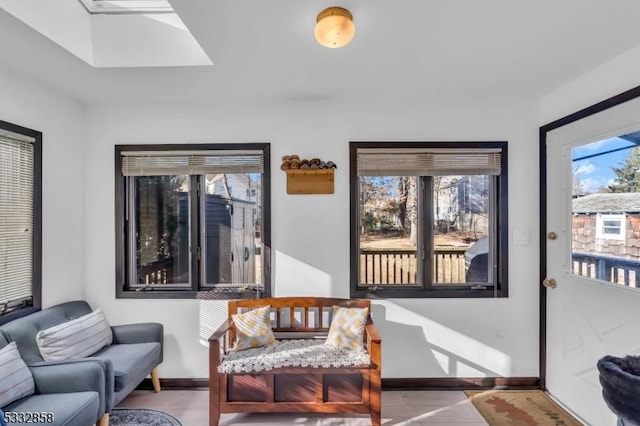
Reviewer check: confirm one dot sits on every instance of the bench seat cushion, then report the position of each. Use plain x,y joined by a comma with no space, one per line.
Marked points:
306,353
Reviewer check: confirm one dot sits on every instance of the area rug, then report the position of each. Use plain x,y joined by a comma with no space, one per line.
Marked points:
141,417
519,408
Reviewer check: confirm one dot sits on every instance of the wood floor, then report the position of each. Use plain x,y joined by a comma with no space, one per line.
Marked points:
433,408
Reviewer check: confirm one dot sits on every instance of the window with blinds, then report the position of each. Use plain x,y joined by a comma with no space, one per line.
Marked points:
19,218
424,219
194,220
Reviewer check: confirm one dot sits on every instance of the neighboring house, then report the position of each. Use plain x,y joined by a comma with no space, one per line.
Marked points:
607,224
238,186
462,204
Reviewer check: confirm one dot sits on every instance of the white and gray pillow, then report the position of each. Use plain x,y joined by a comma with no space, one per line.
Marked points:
16,380
75,339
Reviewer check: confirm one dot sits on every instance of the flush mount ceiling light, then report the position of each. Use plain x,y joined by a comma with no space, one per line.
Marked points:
334,27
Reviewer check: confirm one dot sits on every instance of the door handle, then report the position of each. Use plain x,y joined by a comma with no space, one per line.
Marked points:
550,283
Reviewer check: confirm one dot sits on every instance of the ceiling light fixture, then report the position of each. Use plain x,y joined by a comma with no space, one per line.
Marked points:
334,27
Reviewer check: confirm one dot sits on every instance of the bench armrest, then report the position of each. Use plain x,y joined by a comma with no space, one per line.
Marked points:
219,340
374,344
222,330
372,333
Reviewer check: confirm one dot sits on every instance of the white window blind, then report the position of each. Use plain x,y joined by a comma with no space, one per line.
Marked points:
16,220
428,161
161,163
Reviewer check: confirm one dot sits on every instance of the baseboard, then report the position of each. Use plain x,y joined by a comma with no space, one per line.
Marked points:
446,383
462,383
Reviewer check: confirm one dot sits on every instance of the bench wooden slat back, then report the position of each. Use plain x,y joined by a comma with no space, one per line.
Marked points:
305,307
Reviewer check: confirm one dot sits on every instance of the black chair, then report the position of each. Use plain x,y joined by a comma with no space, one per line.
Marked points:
620,380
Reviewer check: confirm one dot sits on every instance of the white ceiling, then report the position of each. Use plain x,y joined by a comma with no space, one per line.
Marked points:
120,36
404,51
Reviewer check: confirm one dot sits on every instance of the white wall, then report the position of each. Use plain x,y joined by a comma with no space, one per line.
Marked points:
61,121
609,79
310,234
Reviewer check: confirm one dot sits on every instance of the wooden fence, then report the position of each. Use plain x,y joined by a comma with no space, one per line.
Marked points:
400,266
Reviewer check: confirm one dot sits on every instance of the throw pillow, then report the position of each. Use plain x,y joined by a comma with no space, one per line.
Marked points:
253,328
75,339
347,327
16,380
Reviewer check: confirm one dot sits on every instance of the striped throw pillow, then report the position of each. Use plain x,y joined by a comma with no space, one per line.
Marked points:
75,339
347,327
16,380
253,328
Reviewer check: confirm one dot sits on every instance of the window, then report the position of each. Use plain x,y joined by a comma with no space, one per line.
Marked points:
610,226
604,203
193,221
20,221
428,219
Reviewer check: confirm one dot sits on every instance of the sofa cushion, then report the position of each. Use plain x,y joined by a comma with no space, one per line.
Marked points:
69,409
347,327
75,339
16,380
253,328
131,362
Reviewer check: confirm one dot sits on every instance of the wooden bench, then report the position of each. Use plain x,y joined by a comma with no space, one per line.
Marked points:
295,389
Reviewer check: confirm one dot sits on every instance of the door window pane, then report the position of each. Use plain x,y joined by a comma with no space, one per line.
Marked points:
605,224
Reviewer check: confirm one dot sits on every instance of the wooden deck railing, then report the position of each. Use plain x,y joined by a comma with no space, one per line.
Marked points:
158,272
625,272
400,266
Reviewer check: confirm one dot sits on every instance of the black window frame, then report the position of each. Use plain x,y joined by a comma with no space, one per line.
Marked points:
195,291
500,290
10,313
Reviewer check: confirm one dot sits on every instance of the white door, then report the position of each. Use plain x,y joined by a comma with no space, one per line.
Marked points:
588,316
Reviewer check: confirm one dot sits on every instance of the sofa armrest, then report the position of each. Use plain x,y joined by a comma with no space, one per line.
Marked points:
79,375
138,333
108,395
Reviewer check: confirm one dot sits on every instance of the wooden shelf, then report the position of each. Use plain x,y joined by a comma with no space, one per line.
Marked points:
310,181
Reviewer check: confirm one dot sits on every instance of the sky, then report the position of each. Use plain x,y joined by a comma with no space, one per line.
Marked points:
593,164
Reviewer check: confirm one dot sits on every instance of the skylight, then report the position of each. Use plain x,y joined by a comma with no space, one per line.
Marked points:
126,6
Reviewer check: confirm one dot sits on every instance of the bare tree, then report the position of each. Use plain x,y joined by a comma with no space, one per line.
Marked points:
403,195
412,208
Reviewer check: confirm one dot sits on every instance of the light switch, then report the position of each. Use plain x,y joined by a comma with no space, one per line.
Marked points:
520,237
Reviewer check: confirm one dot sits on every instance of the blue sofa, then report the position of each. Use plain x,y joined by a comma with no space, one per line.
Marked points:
73,392
136,350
